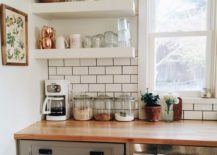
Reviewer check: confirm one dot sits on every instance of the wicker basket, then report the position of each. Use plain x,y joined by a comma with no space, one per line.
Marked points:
50,1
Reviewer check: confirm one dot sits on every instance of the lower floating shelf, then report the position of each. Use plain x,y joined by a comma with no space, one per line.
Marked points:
79,53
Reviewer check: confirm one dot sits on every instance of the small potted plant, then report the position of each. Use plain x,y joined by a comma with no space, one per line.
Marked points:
152,106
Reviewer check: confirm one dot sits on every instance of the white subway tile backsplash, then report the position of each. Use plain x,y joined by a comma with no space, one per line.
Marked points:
73,79
105,79
202,106
134,79
97,70
121,78
121,93
209,115
97,87
187,106
135,95
88,79
130,87
130,70
88,62
193,115
113,87
72,62
105,62
215,107
56,77
56,62
80,70
92,94
78,88
114,70
134,61
52,70
64,70
122,61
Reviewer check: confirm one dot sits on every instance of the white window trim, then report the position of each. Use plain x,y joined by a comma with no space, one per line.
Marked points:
145,79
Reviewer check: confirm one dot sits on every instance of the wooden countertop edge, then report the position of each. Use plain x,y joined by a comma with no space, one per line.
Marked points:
115,140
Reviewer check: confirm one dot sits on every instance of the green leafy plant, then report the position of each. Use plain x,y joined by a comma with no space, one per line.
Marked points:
150,99
10,39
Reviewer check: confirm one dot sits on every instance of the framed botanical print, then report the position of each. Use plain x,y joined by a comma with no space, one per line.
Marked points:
14,36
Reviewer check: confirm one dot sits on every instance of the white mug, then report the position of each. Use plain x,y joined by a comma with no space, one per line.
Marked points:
61,42
75,41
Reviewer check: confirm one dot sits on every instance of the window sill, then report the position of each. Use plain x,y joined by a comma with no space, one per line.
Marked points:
199,100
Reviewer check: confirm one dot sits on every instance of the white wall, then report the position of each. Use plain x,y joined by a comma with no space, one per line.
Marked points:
20,89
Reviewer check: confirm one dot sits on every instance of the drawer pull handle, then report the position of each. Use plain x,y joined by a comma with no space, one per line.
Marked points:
45,151
96,153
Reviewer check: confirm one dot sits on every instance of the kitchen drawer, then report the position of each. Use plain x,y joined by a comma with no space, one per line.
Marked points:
28,147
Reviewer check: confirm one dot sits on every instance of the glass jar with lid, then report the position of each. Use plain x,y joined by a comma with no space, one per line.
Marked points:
98,41
103,108
82,108
111,39
124,108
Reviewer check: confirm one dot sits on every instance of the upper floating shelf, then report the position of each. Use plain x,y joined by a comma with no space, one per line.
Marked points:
85,9
83,53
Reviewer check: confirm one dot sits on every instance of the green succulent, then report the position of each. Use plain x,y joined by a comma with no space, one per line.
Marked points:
150,99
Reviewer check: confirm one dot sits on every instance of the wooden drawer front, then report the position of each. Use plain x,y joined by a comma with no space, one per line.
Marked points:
27,147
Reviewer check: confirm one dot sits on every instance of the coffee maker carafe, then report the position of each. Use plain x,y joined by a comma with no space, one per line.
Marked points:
56,105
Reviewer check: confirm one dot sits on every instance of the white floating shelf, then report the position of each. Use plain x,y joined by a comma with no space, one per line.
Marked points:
85,9
84,53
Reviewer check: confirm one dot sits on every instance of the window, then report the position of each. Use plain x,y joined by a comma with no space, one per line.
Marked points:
180,40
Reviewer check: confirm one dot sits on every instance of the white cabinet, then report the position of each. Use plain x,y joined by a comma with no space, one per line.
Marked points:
28,147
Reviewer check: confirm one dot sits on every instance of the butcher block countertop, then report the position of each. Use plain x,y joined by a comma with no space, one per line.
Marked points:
197,133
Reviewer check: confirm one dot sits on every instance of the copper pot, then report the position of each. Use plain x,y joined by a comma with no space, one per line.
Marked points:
153,113
47,32
50,1
47,43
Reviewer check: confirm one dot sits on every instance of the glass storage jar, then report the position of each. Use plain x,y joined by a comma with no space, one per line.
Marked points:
82,108
124,108
87,42
98,41
103,108
111,39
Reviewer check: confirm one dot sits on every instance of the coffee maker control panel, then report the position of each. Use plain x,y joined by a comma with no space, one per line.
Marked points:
54,88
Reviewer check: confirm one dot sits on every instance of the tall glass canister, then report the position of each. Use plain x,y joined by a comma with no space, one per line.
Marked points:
82,108
103,106
124,108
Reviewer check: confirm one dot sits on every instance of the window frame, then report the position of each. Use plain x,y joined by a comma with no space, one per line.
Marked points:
146,46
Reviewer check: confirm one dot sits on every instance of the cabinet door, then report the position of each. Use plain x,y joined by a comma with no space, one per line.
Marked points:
69,148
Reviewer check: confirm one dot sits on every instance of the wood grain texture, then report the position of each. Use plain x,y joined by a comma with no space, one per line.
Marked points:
197,133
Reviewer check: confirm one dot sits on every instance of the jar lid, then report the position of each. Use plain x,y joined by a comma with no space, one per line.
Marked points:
125,97
82,97
103,97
